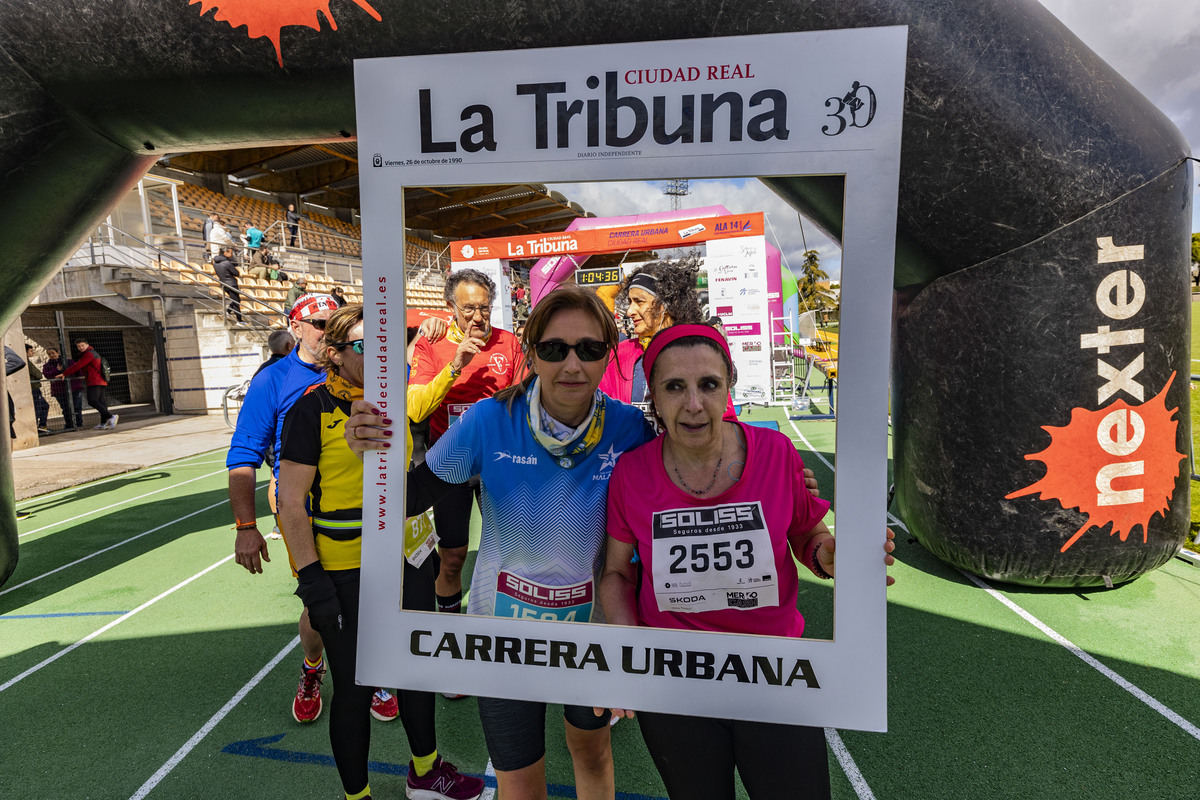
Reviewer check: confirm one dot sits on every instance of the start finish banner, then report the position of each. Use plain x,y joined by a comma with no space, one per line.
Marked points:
665,234
740,108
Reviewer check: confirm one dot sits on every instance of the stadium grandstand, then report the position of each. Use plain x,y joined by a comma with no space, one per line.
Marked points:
143,291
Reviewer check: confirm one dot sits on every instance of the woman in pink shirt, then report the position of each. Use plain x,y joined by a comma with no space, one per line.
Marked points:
740,490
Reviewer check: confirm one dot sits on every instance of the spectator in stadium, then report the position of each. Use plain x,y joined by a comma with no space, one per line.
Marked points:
293,224
227,274
474,361
206,234
254,238
41,408
218,237
657,295
299,287
92,368
320,476
261,262
68,394
280,343
689,370
339,294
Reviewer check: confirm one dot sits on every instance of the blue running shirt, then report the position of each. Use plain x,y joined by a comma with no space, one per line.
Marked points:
260,420
542,545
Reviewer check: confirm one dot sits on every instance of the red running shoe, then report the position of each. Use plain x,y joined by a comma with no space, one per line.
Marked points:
307,705
443,782
384,706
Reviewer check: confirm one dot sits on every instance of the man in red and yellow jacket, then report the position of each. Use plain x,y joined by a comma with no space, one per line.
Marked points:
474,361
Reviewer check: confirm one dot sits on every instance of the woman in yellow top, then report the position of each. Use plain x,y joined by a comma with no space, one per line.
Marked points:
318,472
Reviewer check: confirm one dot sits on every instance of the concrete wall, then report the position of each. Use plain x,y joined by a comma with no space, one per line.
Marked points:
18,387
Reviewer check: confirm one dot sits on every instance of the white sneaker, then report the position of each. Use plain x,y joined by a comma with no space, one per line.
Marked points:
103,426
112,422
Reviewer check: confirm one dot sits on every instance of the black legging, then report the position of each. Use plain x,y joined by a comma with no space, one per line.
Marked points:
234,306
772,760
452,515
349,720
98,400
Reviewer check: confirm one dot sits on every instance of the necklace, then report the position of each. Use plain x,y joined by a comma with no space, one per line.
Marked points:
684,483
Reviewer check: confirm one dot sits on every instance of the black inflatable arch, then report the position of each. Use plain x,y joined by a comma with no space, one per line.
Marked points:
1021,150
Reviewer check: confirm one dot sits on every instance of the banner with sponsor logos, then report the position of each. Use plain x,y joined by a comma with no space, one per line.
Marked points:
820,103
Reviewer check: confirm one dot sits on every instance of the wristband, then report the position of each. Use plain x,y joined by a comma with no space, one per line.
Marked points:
245,526
818,570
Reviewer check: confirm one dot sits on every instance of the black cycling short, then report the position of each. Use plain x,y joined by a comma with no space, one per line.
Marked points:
515,730
452,514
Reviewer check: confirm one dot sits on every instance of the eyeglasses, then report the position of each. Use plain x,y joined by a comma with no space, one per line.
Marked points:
470,311
356,345
319,324
586,349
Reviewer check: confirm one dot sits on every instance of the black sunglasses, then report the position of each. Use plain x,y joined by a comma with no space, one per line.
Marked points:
586,349
354,344
319,324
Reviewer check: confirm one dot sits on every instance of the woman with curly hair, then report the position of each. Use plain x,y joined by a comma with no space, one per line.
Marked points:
659,295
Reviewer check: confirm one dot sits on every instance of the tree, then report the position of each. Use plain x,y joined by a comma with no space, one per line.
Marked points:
813,297
1196,248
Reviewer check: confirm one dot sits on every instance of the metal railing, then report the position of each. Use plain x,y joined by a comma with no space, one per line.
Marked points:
113,247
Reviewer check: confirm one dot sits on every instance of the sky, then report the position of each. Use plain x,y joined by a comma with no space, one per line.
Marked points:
1153,44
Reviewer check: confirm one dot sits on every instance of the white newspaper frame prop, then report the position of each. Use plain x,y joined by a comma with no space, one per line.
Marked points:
839,96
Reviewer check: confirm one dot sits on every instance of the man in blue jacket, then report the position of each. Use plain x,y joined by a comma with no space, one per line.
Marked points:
259,426
257,436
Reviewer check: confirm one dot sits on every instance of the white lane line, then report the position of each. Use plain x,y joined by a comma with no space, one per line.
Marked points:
845,760
177,463
121,503
857,781
118,544
1080,653
111,625
489,792
1088,659
810,447
182,752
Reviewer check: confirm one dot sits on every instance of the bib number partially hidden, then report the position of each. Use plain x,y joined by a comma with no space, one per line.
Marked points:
522,598
454,411
713,559
420,539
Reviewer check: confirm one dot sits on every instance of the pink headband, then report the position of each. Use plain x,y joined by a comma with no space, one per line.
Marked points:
676,332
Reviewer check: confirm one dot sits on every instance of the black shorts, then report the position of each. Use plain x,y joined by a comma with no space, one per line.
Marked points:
515,730
697,757
452,514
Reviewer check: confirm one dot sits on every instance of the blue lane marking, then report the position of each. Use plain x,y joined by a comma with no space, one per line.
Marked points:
257,748
71,614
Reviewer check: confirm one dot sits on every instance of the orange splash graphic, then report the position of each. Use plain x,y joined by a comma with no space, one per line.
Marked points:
268,17
1118,464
